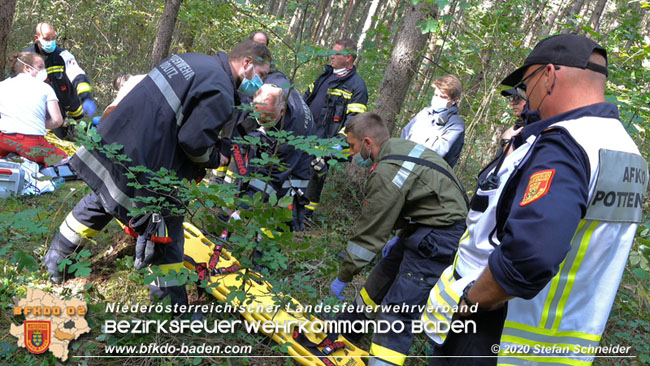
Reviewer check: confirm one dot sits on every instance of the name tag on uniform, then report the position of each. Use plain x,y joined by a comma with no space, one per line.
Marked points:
620,187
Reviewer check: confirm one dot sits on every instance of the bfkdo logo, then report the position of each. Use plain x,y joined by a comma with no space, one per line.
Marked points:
50,322
37,335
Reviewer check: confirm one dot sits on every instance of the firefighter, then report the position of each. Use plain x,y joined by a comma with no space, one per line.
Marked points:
64,74
170,120
413,189
338,94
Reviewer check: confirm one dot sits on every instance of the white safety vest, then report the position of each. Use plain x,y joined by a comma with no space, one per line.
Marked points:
571,311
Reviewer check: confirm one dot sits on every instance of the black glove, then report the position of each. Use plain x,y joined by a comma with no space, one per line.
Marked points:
144,250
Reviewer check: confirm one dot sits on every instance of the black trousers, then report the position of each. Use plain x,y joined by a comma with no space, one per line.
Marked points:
89,217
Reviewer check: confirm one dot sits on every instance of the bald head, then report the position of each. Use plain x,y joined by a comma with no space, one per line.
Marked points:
269,102
46,31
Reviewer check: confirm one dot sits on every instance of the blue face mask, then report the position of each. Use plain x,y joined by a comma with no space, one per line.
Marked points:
249,87
364,163
48,46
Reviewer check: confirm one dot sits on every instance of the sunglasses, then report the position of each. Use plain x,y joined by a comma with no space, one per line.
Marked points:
522,86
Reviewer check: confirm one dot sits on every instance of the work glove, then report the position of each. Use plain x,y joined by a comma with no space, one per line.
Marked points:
144,250
96,120
319,165
389,246
337,287
89,107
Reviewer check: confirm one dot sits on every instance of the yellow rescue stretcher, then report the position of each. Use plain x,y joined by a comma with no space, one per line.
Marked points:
222,270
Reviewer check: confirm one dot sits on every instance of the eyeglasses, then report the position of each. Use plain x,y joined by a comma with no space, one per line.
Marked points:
514,99
521,85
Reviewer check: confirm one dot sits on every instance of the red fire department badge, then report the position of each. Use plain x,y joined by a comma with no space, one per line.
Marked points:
538,186
37,335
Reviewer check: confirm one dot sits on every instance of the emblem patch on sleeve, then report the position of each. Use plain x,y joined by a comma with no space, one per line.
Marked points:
538,186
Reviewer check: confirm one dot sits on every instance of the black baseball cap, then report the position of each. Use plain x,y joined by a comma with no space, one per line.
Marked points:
564,49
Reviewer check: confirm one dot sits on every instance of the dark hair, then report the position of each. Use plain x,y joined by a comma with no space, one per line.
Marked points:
248,48
120,78
349,46
16,67
368,124
260,32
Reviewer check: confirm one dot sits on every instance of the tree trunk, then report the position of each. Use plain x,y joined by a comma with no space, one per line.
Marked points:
7,9
328,23
281,7
596,16
165,31
367,23
567,15
392,16
403,63
346,19
323,15
357,30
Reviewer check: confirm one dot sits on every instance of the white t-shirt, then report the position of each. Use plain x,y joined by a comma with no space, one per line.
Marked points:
23,102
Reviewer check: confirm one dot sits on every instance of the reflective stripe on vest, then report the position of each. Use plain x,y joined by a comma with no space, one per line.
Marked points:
340,93
407,166
356,108
169,94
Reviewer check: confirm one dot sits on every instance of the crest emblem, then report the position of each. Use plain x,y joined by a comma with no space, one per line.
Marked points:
37,335
538,186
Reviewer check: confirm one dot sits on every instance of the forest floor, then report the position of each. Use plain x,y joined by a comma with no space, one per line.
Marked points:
27,225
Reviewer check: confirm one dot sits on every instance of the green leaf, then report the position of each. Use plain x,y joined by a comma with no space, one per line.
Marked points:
285,202
23,259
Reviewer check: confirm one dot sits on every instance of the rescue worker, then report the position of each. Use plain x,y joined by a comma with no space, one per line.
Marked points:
338,94
273,112
439,126
410,188
64,74
550,226
170,120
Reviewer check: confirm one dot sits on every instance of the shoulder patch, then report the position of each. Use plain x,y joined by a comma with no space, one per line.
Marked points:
538,185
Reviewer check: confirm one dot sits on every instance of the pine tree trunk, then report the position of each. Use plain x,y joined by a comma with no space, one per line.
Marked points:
596,16
321,17
326,29
403,63
347,18
281,7
165,31
367,23
7,9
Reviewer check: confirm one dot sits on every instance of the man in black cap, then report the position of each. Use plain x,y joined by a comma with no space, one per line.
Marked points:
549,227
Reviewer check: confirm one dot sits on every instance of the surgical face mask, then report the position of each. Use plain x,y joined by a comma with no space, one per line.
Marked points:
439,104
41,75
48,46
364,163
249,87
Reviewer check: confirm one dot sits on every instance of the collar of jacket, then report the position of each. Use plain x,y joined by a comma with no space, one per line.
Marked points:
443,117
223,58
605,110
